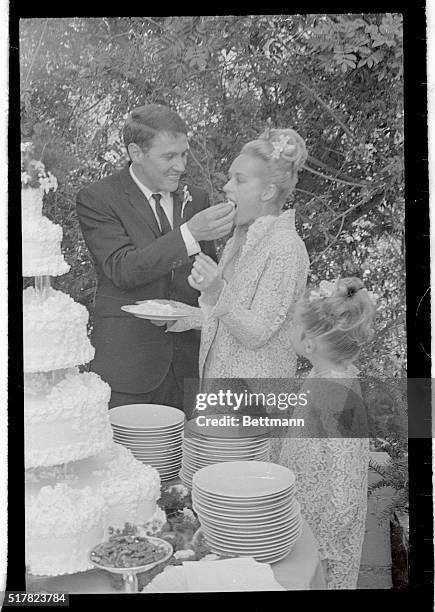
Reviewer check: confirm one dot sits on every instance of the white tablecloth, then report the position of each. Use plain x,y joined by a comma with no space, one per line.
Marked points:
300,570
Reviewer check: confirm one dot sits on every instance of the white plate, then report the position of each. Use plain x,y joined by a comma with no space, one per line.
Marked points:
172,430
212,452
247,522
214,459
155,439
146,416
172,444
253,531
168,473
252,551
288,502
259,548
255,544
204,439
163,453
262,515
157,463
177,439
244,478
225,431
200,463
221,499
228,502
151,310
245,526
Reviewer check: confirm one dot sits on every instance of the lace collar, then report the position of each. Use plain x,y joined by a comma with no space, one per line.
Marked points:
350,372
264,226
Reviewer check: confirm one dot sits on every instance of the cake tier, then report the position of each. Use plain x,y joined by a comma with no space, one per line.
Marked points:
66,417
62,525
129,489
54,331
41,249
41,239
31,203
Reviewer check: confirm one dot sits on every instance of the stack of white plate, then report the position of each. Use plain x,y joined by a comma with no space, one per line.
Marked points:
247,509
153,433
206,446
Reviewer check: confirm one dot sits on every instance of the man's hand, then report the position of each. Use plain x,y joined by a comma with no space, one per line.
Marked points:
205,274
213,222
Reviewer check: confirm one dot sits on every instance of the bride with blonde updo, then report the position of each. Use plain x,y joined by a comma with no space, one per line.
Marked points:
246,299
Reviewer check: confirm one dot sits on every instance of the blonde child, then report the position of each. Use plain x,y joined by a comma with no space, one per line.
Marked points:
330,325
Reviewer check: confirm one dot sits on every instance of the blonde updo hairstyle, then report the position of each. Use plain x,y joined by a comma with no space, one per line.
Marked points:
344,321
284,152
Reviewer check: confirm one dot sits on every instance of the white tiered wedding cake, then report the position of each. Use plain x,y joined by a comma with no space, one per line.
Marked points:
78,481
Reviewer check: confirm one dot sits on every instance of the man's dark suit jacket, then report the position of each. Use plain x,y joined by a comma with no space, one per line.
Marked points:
134,262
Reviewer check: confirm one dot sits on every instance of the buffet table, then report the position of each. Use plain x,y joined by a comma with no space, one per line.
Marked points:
300,570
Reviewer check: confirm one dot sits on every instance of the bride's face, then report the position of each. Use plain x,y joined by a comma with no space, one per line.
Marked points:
249,189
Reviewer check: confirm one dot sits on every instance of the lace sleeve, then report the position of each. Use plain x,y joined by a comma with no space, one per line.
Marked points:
282,279
194,321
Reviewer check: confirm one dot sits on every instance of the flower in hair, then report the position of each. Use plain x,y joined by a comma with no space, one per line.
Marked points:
279,146
325,289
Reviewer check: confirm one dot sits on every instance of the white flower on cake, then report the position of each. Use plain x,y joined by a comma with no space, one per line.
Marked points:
41,238
33,172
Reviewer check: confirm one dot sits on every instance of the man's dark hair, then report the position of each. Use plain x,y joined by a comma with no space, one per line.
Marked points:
145,122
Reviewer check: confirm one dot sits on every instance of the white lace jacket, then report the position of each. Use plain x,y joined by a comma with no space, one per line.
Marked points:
246,333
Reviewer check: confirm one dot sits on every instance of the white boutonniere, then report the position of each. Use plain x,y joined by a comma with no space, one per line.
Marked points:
186,198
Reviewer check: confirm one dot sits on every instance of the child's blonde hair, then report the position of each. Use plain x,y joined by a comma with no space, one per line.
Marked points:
344,319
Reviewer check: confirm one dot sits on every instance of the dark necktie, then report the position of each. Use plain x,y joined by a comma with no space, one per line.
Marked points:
164,222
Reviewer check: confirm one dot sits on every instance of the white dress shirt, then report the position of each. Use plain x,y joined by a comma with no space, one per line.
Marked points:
166,201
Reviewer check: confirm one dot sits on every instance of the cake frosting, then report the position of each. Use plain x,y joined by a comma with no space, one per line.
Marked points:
54,331
41,238
114,480
65,416
62,525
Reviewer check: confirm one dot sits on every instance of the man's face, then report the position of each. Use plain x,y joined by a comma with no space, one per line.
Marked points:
161,167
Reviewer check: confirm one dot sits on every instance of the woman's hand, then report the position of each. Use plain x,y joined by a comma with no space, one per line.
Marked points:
205,275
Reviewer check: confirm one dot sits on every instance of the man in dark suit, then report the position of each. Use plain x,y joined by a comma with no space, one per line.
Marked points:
143,232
